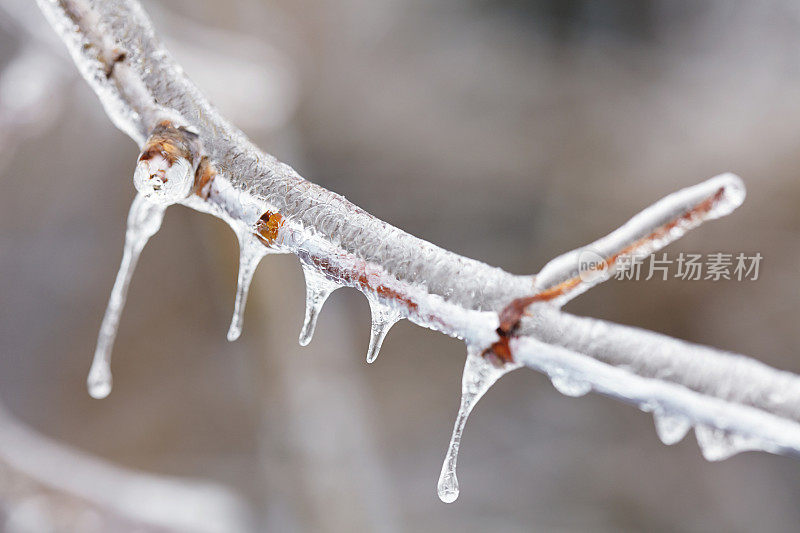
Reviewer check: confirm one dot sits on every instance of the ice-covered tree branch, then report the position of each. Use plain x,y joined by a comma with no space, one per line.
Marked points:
192,156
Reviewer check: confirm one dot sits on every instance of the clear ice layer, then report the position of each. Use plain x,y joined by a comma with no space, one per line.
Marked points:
318,288
479,375
384,316
251,252
144,220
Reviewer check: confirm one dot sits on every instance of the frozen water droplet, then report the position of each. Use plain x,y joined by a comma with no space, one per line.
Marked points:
383,318
670,428
164,181
479,375
144,220
718,445
251,251
378,332
648,406
569,385
99,381
714,443
448,487
318,288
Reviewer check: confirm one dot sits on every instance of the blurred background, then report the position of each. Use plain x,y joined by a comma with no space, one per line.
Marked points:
505,130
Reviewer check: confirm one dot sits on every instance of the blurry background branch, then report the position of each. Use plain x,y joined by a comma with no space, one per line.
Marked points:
48,487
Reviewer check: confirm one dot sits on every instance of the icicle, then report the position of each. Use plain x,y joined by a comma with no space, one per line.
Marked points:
318,288
383,318
251,251
144,220
670,428
479,375
718,445
568,385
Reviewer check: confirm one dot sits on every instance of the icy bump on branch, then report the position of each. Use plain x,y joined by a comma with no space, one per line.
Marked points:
268,204
165,171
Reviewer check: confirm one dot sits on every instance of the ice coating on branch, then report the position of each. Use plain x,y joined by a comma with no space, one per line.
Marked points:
318,288
384,317
144,220
251,252
670,428
147,82
668,219
479,375
724,376
727,397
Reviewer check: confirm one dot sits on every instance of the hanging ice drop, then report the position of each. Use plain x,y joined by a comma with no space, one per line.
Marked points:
479,375
383,318
144,220
318,288
670,428
717,444
251,251
569,385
